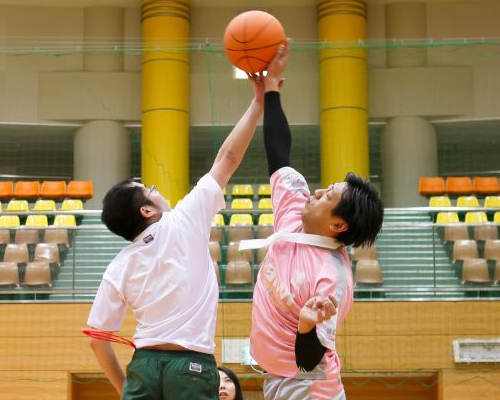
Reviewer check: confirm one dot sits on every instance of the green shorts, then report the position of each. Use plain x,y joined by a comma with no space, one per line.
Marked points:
171,375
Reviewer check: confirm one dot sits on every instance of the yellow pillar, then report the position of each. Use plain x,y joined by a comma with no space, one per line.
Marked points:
343,87
165,96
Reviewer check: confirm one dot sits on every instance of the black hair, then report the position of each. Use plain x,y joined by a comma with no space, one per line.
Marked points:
361,208
121,209
238,393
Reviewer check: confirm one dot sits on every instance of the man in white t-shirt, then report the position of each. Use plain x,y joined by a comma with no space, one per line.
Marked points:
304,289
167,278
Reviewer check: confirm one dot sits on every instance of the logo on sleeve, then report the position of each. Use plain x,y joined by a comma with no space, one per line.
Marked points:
195,367
148,239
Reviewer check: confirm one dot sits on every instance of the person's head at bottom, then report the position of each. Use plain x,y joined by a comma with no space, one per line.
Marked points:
350,211
229,386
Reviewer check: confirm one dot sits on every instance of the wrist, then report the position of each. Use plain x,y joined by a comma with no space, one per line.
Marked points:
272,84
305,327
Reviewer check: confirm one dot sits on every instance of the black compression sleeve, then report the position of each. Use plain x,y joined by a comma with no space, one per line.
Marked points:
277,135
308,350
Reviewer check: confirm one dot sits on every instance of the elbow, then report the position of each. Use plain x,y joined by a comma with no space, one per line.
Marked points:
229,158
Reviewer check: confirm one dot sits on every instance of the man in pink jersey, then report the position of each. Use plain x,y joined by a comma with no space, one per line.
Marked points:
305,287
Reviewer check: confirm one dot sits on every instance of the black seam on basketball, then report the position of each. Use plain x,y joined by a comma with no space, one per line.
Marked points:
256,34
257,48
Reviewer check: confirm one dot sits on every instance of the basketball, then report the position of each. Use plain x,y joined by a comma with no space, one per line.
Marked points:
251,40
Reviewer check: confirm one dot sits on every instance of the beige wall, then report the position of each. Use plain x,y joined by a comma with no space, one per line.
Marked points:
217,99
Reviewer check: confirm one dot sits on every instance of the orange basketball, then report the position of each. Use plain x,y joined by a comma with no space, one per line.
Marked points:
251,40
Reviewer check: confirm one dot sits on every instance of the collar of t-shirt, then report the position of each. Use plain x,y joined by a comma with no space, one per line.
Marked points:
294,237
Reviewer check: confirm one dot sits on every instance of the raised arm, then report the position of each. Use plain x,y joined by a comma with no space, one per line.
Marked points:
236,144
277,135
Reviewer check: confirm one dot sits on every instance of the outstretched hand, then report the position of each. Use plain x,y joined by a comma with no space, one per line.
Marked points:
273,80
258,86
316,310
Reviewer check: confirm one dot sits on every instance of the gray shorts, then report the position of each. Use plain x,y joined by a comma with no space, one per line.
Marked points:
279,388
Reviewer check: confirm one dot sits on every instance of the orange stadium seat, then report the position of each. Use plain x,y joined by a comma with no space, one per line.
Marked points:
53,189
27,190
456,185
6,190
81,189
431,186
486,185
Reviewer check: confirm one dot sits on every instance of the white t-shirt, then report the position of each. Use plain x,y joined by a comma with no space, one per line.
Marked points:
167,277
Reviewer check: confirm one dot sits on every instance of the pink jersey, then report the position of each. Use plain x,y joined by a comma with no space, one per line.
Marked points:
290,275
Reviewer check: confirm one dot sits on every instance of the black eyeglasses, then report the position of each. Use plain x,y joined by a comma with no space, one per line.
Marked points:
151,190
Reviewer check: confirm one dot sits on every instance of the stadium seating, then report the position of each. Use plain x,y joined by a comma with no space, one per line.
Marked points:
64,220
38,274
4,237
264,190
439,201
364,253
464,249
476,217
80,190
45,205
18,205
485,232
486,185
492,201
9,274
496,273
368,272
29,237
459,185
447,218
239,273
475,270
53,190
71,205
265,226
36,220
215,251
454,232
57,236
431,186
6,190
265,204
242,191
47,252
216,229
27,190
217,270
467,201
9,221
242,204
17,253
492,250
240,227
496,218
233,254
261,254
